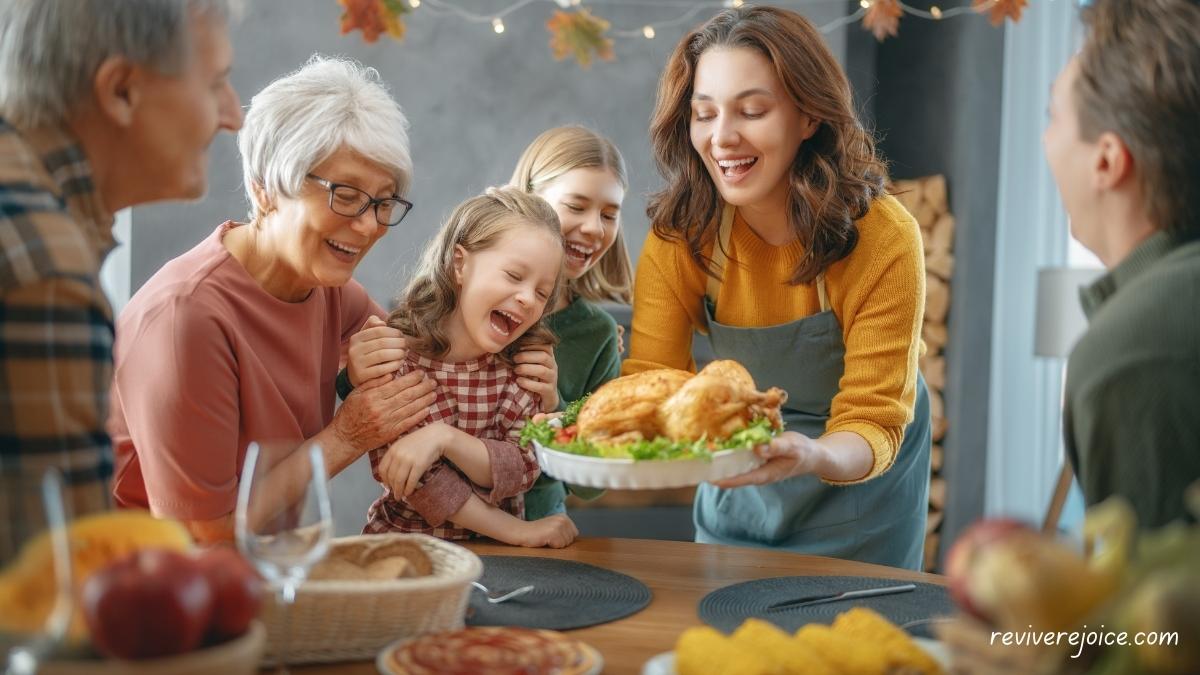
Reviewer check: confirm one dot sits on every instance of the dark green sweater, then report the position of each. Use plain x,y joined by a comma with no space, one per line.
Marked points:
587,356
1132,406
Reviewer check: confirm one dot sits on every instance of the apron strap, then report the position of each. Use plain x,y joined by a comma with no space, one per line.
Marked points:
719,258
718,254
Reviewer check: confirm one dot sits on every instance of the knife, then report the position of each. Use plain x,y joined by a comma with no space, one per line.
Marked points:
836,597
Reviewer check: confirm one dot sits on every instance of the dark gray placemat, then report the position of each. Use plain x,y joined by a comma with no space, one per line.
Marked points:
567,594
726,608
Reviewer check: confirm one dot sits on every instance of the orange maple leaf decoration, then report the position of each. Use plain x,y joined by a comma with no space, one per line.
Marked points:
373,18
579,34
998,10
883,18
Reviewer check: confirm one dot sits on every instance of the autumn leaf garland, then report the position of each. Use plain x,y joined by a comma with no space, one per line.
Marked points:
999,10
582,35
579,34
374,18
882,18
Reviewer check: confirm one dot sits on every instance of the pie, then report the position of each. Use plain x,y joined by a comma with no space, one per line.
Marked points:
499,650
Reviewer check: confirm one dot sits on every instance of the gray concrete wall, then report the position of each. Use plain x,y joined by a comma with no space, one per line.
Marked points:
474,99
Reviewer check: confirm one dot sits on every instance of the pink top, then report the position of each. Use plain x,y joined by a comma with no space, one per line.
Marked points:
481,398
206,361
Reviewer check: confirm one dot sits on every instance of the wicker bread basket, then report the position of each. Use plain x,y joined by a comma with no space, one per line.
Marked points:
341,620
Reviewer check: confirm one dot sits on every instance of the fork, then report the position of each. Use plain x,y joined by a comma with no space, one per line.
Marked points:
503,598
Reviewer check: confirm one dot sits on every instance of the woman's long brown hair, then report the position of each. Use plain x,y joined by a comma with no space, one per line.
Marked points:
835,175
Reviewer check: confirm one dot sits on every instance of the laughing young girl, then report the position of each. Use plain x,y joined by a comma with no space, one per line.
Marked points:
477,299
582,175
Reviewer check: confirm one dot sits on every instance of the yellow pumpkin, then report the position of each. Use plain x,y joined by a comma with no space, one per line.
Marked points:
28,584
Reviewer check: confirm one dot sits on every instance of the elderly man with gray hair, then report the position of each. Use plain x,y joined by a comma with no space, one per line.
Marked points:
103,105
240,339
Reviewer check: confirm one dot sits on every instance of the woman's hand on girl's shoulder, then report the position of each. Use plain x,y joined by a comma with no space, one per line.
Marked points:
537,373
383,408
377,349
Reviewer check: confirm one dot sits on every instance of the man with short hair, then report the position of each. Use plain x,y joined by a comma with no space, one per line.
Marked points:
1124,147
103,105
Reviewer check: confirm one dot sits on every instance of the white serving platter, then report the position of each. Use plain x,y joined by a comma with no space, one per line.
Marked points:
645,474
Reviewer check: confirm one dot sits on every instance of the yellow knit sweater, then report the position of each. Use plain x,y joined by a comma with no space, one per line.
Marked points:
877,294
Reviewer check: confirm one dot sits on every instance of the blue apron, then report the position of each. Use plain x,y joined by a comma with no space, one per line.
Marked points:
880,521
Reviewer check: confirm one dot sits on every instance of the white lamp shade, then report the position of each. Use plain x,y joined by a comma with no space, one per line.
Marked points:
1060,318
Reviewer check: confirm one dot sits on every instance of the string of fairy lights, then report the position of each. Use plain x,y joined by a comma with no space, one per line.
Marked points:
691,9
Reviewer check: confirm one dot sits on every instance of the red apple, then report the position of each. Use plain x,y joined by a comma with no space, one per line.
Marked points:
237,591
1028,579
965,551
151,603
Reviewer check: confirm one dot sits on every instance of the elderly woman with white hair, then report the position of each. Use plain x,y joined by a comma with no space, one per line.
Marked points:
241,338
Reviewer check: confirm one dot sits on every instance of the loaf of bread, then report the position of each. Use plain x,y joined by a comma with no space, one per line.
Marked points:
373,559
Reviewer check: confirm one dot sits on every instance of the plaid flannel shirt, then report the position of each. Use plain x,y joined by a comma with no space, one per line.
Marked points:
481,398
56,325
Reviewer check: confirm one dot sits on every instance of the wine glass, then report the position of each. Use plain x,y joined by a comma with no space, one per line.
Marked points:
33,518
283,521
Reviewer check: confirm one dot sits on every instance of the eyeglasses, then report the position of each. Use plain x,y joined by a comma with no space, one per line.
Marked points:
351,202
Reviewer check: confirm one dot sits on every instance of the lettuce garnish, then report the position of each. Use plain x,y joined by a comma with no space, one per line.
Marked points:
758,432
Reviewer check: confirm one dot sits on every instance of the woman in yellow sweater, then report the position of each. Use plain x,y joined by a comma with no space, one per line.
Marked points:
816,286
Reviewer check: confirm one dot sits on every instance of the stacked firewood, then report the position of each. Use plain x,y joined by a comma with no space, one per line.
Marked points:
925,198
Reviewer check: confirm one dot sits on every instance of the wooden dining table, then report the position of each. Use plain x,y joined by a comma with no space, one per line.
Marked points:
679,574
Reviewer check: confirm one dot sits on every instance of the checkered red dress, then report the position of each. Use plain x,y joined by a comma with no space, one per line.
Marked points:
480,397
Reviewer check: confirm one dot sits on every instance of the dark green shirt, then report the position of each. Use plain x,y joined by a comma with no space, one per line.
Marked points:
1132,406
587,356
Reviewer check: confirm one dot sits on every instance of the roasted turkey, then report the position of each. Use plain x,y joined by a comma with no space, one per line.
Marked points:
715,403
731,370
767,406
626,409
